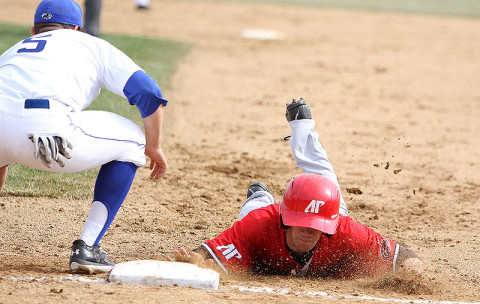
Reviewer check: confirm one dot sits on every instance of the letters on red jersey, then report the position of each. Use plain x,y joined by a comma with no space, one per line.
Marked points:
257,243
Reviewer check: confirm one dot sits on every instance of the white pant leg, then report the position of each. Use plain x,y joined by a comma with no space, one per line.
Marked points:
97,137
309,154
257,200
102,137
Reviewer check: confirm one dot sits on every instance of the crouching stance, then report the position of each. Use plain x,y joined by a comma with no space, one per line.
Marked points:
46,81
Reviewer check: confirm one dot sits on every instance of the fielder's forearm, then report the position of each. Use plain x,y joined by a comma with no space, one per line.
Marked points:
153,128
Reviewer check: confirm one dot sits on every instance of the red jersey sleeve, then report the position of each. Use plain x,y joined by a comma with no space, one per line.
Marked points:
230,249
234,249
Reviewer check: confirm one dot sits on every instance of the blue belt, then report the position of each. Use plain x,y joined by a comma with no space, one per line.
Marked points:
37,104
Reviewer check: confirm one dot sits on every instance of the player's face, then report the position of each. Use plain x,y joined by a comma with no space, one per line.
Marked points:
301,239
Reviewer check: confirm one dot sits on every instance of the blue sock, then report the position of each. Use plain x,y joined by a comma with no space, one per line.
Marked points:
111,188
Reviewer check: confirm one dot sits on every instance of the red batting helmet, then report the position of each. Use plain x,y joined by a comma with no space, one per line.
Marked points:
311,201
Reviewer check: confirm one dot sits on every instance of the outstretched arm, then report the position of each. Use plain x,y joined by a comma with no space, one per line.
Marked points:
309,154
3,176
153,148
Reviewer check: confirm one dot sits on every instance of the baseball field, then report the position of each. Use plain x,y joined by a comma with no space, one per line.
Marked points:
394,92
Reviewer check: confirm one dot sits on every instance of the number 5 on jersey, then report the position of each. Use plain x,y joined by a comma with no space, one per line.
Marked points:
40,45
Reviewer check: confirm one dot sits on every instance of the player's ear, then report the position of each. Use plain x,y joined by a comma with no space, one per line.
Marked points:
32,31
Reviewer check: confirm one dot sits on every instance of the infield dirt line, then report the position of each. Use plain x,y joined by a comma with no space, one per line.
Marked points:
270,290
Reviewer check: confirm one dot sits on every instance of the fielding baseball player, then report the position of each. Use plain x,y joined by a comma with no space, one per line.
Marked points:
309,232
46,81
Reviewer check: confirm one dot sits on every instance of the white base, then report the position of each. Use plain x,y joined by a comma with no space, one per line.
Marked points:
262,34
149,272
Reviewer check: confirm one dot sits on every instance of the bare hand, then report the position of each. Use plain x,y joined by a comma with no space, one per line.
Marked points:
182,255
411,266
158,163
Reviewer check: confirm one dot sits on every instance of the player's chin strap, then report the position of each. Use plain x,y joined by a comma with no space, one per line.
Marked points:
49,148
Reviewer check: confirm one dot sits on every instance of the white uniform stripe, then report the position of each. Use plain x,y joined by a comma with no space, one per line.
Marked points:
215,257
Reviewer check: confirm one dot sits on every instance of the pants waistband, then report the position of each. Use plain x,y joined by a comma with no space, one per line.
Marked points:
37,104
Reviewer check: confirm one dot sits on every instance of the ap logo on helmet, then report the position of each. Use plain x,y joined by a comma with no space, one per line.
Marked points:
314,206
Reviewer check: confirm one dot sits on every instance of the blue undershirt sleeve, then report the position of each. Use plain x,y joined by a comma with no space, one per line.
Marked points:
141,90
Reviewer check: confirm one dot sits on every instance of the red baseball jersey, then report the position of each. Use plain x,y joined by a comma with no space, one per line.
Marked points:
257,243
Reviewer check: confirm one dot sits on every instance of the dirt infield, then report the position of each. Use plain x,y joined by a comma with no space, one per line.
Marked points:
396,103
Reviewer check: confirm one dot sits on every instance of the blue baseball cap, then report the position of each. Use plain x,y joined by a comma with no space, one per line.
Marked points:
59,11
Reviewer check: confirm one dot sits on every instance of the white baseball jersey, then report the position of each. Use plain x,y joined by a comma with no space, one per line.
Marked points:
68,68
65,66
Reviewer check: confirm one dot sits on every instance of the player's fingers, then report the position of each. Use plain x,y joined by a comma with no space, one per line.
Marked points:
159,170
41,148
153,167
45,148
44,161
36,151
162,171
176,254
63,145
181,255
69,144
53,147
46,151
60,162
